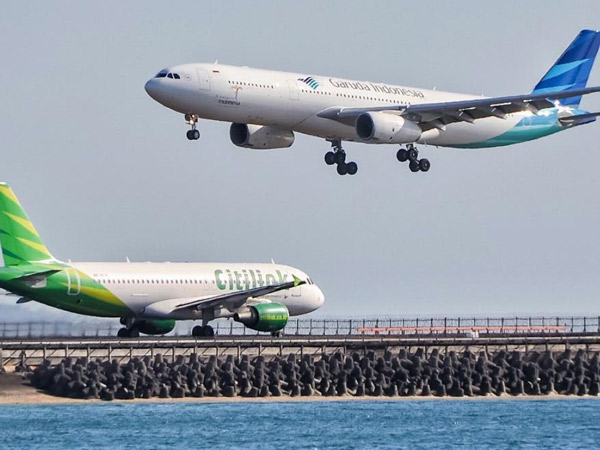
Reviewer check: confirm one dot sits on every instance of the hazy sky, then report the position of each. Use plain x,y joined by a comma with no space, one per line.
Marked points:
105,172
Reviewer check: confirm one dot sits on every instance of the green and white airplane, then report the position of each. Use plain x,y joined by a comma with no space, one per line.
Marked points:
149,297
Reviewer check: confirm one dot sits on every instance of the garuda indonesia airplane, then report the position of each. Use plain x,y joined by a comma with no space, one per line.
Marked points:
149,297
266,108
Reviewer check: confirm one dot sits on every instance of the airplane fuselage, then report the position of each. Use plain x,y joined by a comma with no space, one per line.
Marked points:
292,101
146,290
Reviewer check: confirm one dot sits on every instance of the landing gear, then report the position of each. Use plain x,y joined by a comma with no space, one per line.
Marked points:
277,334
192,120
130,330
338,156
193,135
128,333
203,331
411,154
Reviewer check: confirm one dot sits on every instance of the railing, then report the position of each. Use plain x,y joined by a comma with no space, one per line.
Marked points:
329,327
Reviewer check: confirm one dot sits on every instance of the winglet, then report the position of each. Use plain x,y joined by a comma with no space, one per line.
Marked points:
297,281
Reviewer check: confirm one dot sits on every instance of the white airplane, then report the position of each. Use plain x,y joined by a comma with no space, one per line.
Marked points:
149,297
266,107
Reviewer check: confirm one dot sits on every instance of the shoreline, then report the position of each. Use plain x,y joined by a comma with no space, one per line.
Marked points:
14,390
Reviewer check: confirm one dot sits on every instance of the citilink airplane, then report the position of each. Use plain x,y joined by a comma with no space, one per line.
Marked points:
266,108
149,297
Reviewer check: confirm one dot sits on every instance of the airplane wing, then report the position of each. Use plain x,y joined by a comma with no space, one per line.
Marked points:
438,115
230,300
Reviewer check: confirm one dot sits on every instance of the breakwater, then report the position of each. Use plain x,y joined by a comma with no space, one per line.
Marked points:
402,373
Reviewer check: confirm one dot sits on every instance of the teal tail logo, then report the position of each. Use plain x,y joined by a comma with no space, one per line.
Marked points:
310,81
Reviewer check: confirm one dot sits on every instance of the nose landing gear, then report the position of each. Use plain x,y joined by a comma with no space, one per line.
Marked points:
411,154
338,156
192,120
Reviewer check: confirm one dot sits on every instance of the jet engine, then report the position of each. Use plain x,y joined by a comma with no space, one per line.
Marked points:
154,326
263,317
260,137
385,128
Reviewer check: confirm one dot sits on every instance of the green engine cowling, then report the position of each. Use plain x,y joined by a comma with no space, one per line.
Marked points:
264,316
155,326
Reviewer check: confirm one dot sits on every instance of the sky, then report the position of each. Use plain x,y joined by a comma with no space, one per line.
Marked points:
106,173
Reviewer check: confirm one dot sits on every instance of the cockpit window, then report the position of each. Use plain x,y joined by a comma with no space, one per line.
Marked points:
176,76
170,75
163,73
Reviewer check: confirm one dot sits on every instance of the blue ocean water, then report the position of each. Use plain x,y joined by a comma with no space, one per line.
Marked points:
477,424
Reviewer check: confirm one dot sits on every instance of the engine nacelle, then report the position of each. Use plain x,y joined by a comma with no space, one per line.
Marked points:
385,128
154,326
264,316
260,137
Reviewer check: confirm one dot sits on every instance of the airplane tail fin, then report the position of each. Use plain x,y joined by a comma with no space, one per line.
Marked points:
21,243
572,69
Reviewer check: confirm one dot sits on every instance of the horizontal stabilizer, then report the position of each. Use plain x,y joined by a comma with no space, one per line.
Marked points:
38,275
578,119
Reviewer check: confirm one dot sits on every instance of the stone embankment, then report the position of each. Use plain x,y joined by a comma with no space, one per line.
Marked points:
403,374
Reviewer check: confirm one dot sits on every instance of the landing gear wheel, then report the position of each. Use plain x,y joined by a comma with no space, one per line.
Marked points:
128,333
277,334
413,166
351,168
340,157
206,331
412,154
424,165
123,333
193,135
402,155
330,158
342,169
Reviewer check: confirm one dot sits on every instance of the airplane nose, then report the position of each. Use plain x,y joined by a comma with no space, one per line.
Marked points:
319,297
151,88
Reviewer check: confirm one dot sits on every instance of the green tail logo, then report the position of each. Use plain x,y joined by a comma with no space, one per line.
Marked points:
21,243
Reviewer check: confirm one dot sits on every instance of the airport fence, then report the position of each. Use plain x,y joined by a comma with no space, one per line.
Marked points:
331,327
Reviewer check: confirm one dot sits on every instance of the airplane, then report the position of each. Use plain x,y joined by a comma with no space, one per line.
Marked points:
266,107
149,297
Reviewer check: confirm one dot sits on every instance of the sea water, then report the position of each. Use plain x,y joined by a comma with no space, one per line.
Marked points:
410,424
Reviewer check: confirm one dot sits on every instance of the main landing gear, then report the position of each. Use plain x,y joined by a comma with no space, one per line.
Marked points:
411,154
338,156
192,120
130,330
203,331
128,333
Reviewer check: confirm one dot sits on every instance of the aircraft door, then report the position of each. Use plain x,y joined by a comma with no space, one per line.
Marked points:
73,282
203,80
293,87
297,291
